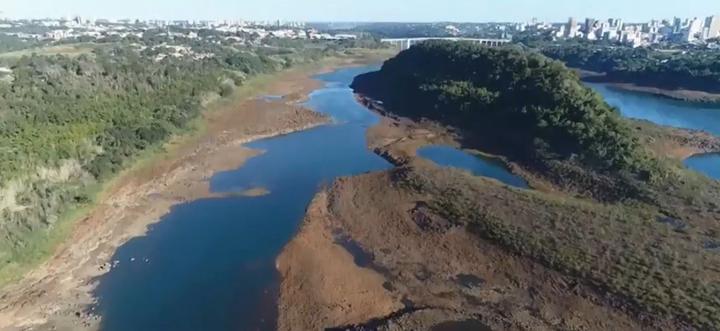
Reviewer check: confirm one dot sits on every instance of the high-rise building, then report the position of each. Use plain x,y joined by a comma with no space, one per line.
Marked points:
694,30
572,28
589,25
616,23
677,24
712,24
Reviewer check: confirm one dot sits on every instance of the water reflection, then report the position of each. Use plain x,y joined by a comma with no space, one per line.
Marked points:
476,164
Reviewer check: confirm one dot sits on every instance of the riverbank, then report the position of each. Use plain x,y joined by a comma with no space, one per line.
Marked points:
675,94
56,294
679,94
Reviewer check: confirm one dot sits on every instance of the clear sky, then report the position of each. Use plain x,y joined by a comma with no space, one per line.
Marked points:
363,10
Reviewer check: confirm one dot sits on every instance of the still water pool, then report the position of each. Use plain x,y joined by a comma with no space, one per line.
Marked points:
476,164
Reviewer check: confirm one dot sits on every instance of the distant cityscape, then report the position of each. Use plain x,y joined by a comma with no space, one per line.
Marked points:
678,30
81,28
693,31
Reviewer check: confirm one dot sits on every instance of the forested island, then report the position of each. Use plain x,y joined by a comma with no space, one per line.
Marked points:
534,105
610,212
520,104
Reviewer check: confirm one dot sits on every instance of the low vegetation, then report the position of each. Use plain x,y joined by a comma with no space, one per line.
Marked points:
652,262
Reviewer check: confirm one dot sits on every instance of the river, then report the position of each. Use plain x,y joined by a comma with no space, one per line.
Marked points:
669,112
210,264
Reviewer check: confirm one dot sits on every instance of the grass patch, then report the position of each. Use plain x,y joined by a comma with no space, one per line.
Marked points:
657,260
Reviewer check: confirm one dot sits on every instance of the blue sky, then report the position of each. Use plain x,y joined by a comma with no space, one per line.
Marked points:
362,10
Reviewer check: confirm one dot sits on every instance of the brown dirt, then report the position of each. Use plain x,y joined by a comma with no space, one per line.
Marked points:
54,295
675,143
326,289
430,271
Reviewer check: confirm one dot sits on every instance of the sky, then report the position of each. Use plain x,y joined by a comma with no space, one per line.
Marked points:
362,10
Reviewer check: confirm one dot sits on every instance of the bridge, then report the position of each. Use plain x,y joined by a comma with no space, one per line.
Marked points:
405,43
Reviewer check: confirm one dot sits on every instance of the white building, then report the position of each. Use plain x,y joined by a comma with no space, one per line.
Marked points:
712,23
572,29
693,31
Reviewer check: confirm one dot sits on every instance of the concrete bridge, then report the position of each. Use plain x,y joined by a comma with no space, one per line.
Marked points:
405,43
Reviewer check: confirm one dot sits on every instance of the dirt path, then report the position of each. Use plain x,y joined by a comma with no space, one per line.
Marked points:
55,295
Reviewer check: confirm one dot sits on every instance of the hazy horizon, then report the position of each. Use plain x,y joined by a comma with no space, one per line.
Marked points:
366,11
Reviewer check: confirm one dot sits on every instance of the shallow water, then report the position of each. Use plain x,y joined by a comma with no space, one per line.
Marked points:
708,164
669,112
476,164
210,264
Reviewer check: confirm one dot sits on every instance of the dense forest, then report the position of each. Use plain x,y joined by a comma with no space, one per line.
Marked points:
693,70
532,107
68,122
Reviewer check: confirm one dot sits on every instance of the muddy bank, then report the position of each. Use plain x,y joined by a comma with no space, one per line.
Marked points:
675,143
679,94
322,286
675,94
55,295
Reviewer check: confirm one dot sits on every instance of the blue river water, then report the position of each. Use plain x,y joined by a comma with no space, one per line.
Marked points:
478,165
708,164
669,112
210,264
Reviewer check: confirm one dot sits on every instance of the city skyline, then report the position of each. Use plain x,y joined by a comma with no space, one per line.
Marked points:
353,11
